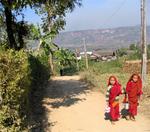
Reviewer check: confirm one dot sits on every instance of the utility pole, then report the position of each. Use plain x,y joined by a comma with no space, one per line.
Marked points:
77,59
143,42
85,53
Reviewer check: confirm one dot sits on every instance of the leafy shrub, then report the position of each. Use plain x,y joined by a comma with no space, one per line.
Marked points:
138,53
65,61
135,56
133,47
21,75
40,71
14,89
121,52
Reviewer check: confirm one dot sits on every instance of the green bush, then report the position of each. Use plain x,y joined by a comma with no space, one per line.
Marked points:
21,74
135,56
133,47
14,89
137,53
121,52
40,71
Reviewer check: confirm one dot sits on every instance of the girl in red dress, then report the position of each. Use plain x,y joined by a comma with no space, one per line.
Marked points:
112,98
134,91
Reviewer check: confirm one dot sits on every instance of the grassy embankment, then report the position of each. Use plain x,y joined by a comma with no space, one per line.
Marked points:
99,72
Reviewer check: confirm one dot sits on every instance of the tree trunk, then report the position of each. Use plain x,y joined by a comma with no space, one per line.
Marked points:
51,63
51,55
20,39
10,32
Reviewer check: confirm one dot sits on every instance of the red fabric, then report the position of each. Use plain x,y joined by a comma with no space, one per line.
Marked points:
115,91
114,112
138,83
134,90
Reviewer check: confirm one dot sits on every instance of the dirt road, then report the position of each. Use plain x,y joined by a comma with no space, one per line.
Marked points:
73,107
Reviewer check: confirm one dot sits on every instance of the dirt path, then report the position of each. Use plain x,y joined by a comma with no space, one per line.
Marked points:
75,108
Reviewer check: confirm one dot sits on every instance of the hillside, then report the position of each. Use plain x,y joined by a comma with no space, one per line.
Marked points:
101,38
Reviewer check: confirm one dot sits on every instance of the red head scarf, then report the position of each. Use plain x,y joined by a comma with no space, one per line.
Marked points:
139,81
115,90
134,88
116,81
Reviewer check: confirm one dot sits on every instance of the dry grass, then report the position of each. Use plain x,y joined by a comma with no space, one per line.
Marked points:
100,81
134,66
98,78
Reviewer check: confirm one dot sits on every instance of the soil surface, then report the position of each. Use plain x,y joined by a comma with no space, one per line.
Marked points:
72,106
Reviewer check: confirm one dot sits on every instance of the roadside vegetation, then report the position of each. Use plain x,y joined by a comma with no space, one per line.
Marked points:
99,72
25,71
26,68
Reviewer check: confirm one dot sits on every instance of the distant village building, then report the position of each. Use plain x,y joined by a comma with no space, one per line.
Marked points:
99,55
104,55
88,53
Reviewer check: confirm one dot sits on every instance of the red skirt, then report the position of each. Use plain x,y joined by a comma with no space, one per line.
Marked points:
133,103
114,112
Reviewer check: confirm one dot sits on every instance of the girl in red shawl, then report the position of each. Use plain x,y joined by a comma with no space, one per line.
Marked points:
112,98
134,91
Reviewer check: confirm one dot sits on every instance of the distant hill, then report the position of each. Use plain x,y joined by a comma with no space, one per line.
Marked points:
112,38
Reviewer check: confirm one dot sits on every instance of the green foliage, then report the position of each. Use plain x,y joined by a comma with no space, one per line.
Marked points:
52,13
3,35
64,58
135,52
133,47
121,52
82,64
106,67
34,32
135,56
14,89
40,71
72,70
20,76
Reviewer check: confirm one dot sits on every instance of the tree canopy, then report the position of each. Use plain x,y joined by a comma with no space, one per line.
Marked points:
52,12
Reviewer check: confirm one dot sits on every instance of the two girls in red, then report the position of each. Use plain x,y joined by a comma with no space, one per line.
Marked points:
133,91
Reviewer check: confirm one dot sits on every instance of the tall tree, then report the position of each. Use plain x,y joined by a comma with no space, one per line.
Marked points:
52,12
9,10
9,23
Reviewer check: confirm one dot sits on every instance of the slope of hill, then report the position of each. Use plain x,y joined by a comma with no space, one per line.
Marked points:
102,38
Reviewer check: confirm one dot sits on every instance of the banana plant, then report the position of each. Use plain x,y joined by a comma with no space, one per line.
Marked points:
64,58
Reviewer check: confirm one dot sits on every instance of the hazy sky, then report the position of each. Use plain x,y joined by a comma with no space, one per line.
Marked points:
96,14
